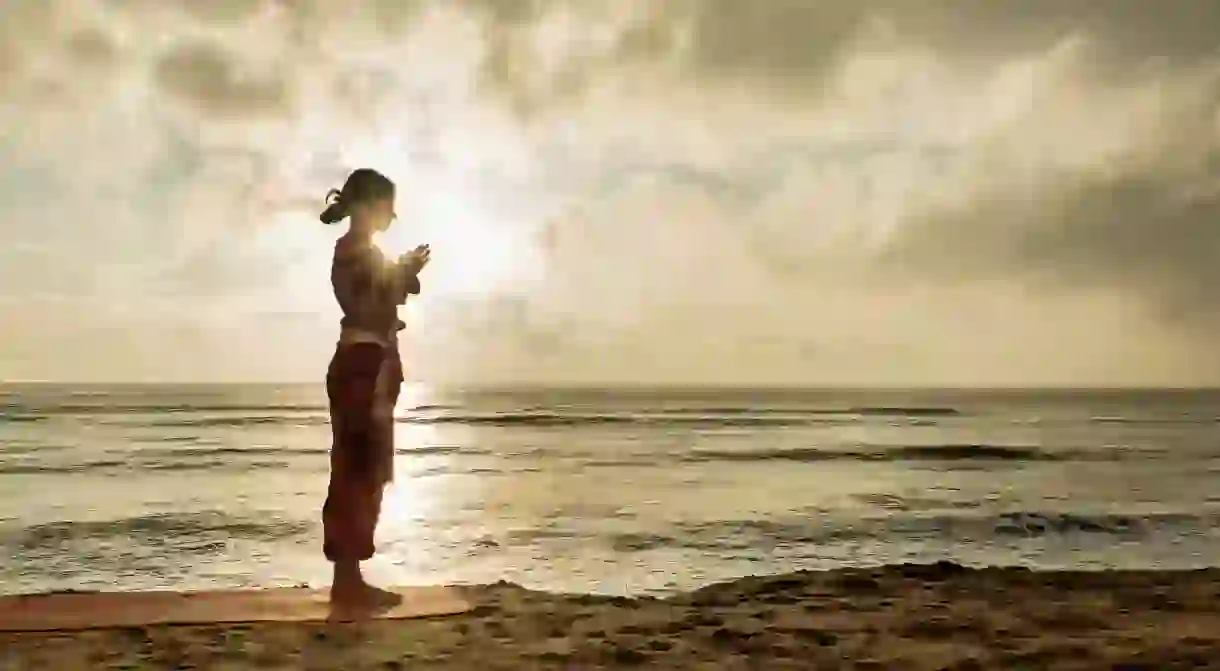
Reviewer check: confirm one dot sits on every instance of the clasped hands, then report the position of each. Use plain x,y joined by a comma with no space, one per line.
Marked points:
415,260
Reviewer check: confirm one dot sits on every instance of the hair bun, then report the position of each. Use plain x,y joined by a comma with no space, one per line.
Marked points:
335,210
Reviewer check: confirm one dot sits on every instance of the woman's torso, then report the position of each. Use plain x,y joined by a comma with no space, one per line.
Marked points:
369,288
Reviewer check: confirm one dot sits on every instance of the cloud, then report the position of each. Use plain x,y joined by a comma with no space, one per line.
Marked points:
741,191
205,77
792,40
226,12
1118,196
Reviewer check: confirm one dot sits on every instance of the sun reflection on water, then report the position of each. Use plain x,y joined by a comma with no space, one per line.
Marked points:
408,502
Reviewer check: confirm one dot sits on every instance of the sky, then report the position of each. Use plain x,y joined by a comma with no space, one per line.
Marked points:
856,192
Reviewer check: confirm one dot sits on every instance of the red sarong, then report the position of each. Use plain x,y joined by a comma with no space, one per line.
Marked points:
362,451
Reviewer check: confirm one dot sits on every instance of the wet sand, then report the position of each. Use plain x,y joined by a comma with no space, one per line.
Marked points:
911,618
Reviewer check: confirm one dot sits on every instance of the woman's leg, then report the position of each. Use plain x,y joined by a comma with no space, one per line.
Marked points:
348,516
382,446
347,524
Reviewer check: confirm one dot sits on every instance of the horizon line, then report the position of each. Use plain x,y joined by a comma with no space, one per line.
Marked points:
630,386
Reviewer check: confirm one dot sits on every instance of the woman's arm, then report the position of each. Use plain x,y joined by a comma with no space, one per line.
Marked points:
406,273
353,274
403,282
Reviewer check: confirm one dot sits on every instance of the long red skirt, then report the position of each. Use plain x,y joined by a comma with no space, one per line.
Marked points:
362,386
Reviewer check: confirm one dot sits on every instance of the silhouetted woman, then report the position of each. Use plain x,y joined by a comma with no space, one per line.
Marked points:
363,381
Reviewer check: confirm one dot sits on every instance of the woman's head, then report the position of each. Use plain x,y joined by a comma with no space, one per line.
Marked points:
367,197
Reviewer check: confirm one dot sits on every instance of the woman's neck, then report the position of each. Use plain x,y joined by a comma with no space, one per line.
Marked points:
360,231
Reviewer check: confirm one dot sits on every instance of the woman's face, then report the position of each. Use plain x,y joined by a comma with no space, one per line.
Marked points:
380,213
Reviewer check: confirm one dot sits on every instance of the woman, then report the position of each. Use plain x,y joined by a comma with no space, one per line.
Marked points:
364,377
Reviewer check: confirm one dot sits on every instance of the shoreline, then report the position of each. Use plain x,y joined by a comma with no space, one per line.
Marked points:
911,617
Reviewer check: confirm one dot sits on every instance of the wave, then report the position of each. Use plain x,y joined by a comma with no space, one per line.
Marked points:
21,419
684,417
218,458
568,420
433,407
125,467
909,453
762,536
1037,524
225,458
187,417
1154,420
720,415
882,411
744,410
175,421
112,408
195,452
233,422
804,410
187,529
428,450
239,416
739,417
155,529
17,448
219,451
20,468
213,466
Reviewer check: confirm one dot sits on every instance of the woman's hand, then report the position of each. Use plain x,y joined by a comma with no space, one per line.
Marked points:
415,260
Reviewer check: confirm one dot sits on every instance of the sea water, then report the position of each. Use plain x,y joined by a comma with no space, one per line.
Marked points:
625,491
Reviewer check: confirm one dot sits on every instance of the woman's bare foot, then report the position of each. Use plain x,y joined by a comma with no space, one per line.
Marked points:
382,598
359,602
349,591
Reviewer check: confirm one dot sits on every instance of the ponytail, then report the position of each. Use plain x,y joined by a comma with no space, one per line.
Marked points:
336,208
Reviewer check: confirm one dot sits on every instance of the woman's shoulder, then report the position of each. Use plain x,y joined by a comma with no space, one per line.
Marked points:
354,249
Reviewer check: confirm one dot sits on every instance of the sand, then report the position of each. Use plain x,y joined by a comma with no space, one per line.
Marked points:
910,618
74,611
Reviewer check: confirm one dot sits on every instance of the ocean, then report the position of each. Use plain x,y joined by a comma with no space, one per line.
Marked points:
611,491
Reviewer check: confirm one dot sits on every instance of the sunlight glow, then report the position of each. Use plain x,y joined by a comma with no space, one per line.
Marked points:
404,505
407,500
475,253
472,253
413,395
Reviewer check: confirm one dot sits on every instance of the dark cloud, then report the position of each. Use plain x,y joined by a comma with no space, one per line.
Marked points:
218,82
1133,233
11,62
755,210
511,71
210,80
1180,30
509,65
787,40
650,39
375,19
1147,228
508,14
23,23
224,11
47,55
92,49
1128,231
790,46
393,18
783,40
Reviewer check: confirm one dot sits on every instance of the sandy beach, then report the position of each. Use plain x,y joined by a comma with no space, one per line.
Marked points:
940,616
